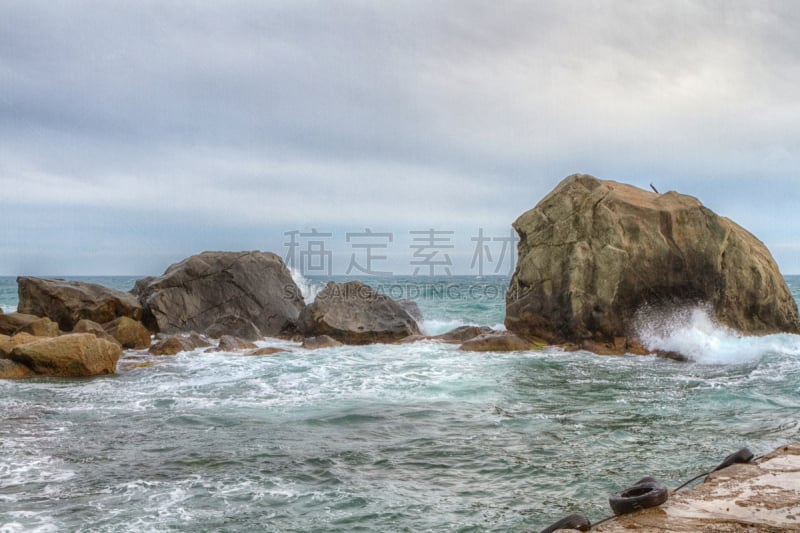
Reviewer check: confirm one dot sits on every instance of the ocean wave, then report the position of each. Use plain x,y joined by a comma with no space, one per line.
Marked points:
692,332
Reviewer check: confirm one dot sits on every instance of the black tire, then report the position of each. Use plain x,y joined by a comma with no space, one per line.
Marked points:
573,521
742,456
645,494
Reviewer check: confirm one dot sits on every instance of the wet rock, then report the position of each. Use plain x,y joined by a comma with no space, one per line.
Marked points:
320,341
229,343
354,313
67,302
72,355
592,253
175,344
129,333
498,342
245,294
463,333
269,350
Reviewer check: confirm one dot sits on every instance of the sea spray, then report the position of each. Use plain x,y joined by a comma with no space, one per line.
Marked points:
309,289
693,332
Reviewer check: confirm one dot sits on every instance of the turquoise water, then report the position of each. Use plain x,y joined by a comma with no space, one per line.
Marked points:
416,437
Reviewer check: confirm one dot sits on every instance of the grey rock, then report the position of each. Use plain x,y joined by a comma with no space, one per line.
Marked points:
245,294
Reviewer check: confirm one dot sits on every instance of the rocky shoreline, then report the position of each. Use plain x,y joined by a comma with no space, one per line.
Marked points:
593,255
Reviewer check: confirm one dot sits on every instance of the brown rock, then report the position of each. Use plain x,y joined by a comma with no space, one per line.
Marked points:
12,323
22,322
320,341
88,326
269,350
129,333
498,342
354,313
246,294
72,355
12,370
592,253
229,343
174,344
463,333
66,302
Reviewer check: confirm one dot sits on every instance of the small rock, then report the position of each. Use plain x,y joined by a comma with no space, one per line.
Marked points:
229,343
269,350
178,343
320,341
463,333
498,342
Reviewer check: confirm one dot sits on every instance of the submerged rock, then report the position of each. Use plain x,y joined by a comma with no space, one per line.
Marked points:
354,313
320,341
498,342
229,343
72,355
269,350
67,302
175,344
462,333
592,253
246,294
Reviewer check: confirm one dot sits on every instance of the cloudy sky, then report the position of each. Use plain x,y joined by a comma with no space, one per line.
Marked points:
133,134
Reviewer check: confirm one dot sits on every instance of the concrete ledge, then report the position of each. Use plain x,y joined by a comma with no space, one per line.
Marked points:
753,498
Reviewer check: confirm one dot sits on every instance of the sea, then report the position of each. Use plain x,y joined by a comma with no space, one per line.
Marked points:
409,437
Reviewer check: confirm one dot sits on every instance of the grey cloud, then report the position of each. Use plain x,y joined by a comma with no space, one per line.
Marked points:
267,115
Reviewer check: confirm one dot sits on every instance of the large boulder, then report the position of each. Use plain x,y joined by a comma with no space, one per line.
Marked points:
354,313
175,344
246,294
593,253
67,302
73,355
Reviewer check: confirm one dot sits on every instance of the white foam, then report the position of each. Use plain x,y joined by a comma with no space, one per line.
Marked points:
694,333
309,289
437,327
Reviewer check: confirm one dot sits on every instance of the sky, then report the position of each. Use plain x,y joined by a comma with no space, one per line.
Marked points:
136,133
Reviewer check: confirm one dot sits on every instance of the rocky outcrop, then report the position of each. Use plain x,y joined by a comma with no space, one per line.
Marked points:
129,333
354,313
12,323
498,342
73,355
246,294
88,326
592,253
175,344
67,302
412,308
